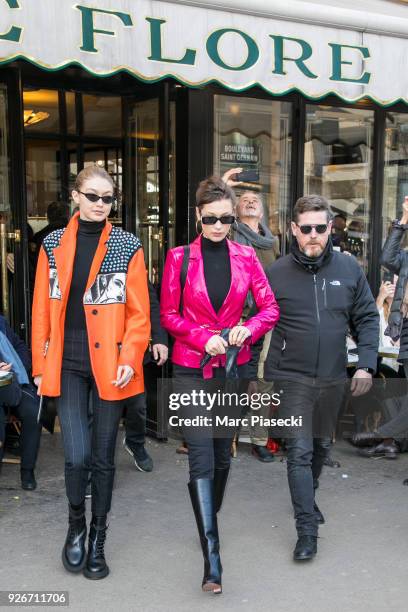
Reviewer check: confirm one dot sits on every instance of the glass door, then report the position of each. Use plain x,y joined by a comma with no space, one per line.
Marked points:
149,206
150,178
14,274
144,137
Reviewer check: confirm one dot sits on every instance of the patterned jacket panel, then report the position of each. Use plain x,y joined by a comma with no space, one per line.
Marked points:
110,284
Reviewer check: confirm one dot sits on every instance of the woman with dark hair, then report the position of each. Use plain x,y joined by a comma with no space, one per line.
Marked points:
204,319
85,346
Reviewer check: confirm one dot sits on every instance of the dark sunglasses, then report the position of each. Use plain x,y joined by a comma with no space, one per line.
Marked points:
94,197
307,229
225,220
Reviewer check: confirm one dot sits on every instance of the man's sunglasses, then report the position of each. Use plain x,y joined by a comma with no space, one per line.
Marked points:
307,229
225,220
94,197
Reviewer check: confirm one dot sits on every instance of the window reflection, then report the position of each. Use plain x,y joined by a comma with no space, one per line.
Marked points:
338,162
102,116
41,110
395,168
42,176
256,135
71,112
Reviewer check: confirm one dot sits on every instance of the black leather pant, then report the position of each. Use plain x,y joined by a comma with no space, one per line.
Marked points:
208,449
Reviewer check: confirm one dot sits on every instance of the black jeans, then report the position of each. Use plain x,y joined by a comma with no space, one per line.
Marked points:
86,448
208,449
23,401
307,449
135,420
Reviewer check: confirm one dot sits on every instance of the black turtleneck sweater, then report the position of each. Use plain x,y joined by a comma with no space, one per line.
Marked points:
217,270
88,236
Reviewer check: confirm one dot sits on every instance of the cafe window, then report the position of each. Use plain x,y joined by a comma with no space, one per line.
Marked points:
338,165
102,116
70,102
43,177
57,149
256,134
41,111
395,168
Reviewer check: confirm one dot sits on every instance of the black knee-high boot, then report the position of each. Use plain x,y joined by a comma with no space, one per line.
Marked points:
74,553
96,567
220,482
203,502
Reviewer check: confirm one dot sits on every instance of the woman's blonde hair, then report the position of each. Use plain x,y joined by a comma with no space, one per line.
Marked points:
93,172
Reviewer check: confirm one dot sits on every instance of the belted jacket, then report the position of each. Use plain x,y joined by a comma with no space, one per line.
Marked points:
116,304
199,322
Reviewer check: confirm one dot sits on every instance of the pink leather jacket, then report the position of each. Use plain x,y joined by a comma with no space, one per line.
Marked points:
199,321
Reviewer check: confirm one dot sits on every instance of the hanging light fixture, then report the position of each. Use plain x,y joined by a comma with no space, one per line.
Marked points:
32,117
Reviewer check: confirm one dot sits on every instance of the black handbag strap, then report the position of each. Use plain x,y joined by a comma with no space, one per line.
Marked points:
183,273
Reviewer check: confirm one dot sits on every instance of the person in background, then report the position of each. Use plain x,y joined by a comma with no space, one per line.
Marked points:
83,349
369,410
134,440
395,259
21,397
252,231
339,232
58,217
384,300
219,275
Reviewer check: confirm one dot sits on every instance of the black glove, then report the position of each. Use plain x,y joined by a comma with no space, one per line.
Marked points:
231,369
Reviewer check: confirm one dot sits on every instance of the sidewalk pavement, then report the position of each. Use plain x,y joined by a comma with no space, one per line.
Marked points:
153,548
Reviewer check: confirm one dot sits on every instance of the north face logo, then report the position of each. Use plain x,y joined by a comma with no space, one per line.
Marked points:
336,283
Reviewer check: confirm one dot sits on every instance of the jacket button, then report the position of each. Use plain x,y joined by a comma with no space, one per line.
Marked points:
97,345
95,312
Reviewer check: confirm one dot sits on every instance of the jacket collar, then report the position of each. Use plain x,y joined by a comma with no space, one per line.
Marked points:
65,253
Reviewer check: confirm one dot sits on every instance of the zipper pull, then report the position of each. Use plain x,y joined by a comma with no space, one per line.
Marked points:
324,285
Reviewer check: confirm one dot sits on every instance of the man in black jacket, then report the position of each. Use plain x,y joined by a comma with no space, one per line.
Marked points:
134,440
321,294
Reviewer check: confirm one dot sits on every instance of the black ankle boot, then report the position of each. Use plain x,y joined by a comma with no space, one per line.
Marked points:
96,567
306,548
203,501
28,481
74,553
220,482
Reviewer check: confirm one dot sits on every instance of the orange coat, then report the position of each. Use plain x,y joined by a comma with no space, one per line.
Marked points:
116,303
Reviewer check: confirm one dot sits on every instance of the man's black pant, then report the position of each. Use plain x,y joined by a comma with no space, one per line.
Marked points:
308,446
23,402
86,448
209,448
135,420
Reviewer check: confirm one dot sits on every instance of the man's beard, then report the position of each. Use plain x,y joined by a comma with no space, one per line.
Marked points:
314,254
251,212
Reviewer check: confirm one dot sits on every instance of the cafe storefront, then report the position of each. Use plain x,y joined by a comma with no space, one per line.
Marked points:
161,94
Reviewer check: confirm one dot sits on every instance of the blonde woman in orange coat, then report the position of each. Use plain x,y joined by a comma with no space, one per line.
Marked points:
90,331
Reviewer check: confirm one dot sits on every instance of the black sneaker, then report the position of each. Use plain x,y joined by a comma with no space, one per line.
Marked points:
262,453
141,457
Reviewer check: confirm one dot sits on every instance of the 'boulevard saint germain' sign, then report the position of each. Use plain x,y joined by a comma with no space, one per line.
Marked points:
154,40
239,154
